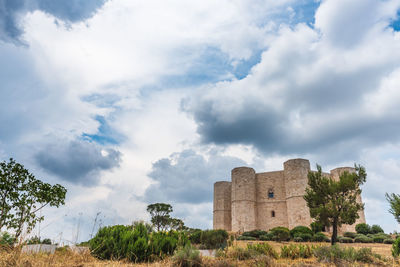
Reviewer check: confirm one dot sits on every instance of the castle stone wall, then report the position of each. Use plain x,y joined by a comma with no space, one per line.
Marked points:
222,217
245,203
296,178
271,212
243,199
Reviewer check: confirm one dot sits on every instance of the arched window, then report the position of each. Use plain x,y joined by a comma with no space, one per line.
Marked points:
271,193
273,213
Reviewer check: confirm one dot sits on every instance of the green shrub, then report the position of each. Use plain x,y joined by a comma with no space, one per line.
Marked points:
396,248
268,237
363,239
350,234
187,257
344,239
263,248
298,239
379,238
7,239
134,243
296,231
293,251
255,233
243,237
195,236
304,236
212,239
317,227
320,237
363,228
376,229
388,241
337,254
280,233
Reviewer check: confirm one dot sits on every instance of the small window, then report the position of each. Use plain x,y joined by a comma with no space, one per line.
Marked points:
273,213
271,193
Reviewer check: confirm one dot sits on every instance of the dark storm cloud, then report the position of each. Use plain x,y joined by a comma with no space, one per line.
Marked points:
188,177
66,10
77,161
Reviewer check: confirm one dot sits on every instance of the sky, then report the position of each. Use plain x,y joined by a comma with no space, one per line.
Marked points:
127,102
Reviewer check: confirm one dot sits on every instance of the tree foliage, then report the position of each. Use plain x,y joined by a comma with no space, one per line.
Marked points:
161,218
394,201
332,202
22,196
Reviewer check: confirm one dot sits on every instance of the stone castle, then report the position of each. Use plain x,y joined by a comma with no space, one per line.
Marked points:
269,199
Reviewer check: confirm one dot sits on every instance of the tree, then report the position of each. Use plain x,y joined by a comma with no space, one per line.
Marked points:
22,196
159,213
332,202
394,201
161,218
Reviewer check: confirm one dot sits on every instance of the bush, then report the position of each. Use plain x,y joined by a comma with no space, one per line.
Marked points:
363,239
363,228
300,230
195,236
305,237
317,227
379,238
213,239
134,243
293,251
320,237
335,254
298,239
255,233
280,233
388,241
187,257
375,229
350,234
344,239
7,239
264,248
243,237
268,237
396,248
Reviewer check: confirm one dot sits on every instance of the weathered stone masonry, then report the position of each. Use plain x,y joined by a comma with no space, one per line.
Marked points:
266,200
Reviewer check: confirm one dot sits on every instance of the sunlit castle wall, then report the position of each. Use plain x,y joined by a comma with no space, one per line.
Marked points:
222,206
243,199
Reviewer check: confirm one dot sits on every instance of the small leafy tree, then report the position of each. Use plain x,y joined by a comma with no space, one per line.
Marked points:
22,196
161,218
334,203
394,201
160,215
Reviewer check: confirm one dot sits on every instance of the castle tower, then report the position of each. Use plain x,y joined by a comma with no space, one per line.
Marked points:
243,199
335,173
222,206
295,173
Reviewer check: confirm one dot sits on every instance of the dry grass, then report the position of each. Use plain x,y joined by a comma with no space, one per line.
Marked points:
14,257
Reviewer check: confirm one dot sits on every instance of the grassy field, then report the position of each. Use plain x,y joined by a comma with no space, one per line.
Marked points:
12,258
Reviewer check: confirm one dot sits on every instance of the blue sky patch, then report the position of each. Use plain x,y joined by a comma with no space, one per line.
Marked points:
395,24
106,135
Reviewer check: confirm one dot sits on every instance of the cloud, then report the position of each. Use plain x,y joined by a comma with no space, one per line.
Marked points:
309,94
11,12
188,177
78,161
